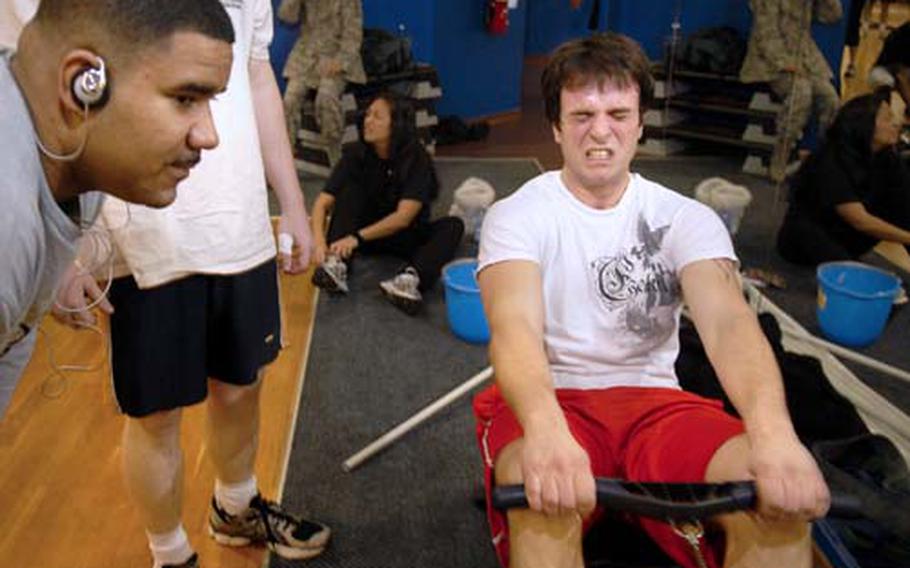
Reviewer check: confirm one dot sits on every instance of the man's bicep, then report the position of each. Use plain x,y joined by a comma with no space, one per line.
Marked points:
710,288
512,295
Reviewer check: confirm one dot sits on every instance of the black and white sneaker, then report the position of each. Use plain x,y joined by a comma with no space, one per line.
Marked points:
402,291
265,522
192,562
332,275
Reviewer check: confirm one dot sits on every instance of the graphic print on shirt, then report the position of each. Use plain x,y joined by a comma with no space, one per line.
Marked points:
636,284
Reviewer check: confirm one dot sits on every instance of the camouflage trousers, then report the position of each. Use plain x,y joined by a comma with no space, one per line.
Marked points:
328,111
801,95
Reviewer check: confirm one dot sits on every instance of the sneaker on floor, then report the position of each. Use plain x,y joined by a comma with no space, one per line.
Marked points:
265,522
402,291
332,275
192,562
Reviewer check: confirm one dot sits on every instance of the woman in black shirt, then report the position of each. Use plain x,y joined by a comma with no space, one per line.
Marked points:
380,195
853,192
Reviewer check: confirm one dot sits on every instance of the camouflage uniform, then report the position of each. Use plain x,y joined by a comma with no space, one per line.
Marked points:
783,54
330,33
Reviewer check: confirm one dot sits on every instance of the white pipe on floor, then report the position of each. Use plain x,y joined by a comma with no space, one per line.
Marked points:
397,432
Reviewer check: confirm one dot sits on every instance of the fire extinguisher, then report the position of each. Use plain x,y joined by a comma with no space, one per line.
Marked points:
497,16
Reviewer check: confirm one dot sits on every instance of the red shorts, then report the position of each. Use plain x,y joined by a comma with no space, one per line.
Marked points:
633,433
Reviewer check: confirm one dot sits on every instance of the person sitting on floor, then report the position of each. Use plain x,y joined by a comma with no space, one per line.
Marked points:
852,192
379,195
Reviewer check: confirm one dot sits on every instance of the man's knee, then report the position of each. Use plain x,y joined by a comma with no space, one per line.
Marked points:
507,464
226,395
730,461
536,539
754,542
160,427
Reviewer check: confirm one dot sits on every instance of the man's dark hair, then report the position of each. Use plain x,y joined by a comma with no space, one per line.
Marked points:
607,57
138,23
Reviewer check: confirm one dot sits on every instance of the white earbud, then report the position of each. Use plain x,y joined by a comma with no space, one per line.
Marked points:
90,85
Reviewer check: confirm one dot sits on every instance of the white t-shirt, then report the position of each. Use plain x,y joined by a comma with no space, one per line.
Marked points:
611,289
14,14
219,223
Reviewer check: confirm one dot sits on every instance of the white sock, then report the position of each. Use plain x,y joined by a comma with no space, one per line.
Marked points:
235,497
170,548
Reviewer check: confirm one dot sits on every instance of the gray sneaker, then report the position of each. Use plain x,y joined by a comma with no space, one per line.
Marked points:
402,291
193,562
332,275
265,522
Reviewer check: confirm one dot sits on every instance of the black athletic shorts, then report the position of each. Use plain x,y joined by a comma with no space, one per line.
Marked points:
168,340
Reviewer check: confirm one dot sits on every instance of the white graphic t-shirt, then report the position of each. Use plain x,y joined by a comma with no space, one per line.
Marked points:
612,298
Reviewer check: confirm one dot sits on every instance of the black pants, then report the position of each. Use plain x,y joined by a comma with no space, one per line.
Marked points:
802,240
426,246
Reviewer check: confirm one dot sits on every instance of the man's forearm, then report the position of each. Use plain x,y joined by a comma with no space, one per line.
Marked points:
273,140
523,378
749,374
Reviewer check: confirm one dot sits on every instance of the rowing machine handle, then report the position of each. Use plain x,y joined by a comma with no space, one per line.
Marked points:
741,496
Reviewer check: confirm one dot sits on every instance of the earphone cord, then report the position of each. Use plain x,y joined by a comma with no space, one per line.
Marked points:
97,236
72,155
55,383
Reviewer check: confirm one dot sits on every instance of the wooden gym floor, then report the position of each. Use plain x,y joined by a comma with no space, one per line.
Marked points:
63,502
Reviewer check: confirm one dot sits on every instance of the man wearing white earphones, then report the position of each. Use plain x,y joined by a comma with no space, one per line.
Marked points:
100,96
196,315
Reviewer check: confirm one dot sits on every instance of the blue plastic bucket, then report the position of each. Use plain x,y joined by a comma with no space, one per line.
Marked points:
854,301
463,305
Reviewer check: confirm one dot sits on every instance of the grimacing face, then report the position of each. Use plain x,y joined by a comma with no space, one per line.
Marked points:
598,132
377,123
153,129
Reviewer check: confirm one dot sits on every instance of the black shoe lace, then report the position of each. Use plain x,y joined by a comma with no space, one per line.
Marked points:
270,512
